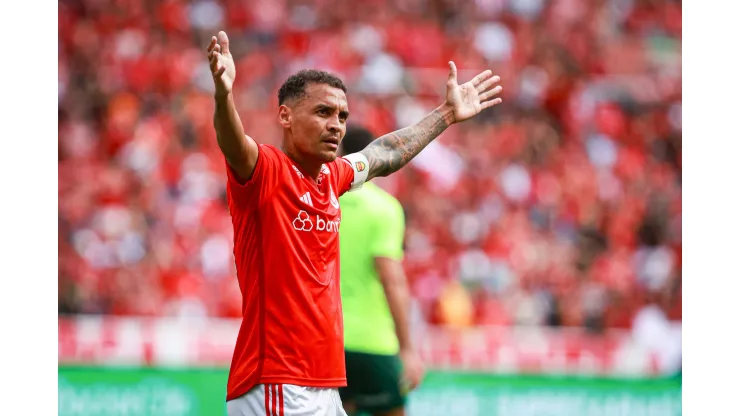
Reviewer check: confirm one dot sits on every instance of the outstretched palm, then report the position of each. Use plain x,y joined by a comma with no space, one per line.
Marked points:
474,96
221,63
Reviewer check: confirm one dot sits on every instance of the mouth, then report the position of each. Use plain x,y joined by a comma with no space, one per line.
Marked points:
332,142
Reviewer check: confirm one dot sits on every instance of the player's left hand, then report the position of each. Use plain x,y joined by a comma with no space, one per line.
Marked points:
413,369
466,100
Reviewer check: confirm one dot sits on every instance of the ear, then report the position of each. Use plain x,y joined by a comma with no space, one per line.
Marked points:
285,115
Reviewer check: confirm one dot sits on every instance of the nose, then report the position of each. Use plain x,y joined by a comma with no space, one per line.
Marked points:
333,125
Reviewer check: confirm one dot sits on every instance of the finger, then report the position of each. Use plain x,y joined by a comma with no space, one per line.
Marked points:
488,83
409,384
481,77
410,379
414,383
217,67
452,78
491,103
490,93
214,63
223,40
212,43
220,72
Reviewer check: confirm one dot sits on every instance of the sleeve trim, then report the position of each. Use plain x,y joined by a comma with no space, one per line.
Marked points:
360,168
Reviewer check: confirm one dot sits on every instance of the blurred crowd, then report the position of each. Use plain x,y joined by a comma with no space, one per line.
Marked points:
560,207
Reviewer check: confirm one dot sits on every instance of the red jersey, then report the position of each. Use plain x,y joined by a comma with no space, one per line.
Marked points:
286,245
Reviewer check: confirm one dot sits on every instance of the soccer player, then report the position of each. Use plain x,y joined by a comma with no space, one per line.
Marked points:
380,360
289,352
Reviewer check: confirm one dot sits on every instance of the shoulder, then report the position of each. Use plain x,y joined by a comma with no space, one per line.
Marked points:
269,156
382,202
360,197
275,157
272,152
386,198
338,165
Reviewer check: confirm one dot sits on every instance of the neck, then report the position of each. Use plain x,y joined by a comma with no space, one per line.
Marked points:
311,168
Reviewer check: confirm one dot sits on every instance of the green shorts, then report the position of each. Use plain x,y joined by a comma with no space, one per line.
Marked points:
373,382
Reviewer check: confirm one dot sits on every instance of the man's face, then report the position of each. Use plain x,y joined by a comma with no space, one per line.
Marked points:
317,122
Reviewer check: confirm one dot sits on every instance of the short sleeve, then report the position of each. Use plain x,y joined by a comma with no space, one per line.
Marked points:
389,224
353,170
263,181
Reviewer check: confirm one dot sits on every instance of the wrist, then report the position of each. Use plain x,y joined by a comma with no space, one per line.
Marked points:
447,113
222,95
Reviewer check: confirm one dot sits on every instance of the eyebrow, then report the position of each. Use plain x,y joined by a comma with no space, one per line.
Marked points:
343,113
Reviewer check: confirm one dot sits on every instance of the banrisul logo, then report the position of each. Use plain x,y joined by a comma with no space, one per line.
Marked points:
305,222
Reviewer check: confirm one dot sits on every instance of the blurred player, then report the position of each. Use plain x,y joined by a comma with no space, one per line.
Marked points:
381,362
289,353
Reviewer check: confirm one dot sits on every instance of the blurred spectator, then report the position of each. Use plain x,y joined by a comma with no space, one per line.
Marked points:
560,207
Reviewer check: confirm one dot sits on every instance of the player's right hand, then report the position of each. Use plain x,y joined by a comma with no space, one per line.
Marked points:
221,63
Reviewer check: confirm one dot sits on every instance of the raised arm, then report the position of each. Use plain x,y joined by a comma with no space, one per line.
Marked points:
239,149
393,151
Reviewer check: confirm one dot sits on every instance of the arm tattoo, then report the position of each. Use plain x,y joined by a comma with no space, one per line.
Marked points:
393,151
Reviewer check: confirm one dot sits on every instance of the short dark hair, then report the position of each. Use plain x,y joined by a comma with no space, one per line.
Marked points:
355,139
295,86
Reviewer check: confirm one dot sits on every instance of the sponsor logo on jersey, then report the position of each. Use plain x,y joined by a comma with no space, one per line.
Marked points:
304,222
360,166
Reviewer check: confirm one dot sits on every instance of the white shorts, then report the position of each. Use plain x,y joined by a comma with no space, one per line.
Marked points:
286,400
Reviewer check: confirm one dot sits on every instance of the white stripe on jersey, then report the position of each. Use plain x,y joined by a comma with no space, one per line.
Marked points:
306,199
